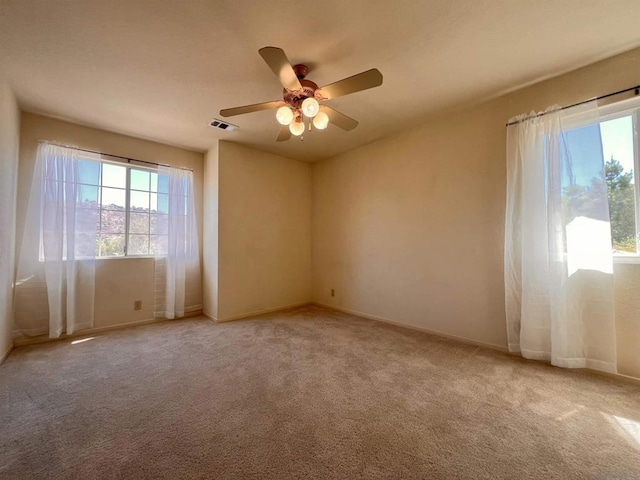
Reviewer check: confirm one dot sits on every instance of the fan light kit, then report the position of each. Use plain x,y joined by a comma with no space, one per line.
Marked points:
301,97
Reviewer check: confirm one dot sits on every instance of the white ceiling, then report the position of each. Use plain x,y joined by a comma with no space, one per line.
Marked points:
162,69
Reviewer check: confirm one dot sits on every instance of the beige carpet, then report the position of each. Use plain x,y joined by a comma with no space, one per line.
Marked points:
309,393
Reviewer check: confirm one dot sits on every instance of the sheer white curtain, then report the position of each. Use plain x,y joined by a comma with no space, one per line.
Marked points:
55,276
558,254
182,253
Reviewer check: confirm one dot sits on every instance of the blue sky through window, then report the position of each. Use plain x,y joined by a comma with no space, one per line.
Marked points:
617,141
585,149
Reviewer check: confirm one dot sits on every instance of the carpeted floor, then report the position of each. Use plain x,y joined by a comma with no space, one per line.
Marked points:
309,393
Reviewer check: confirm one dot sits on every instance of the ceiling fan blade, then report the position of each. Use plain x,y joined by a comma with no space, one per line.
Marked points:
339,119
279,63
284,135
361,81
256,107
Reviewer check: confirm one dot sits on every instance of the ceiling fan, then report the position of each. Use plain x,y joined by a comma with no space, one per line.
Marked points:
301,97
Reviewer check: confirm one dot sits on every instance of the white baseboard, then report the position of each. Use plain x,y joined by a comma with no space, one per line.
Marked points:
209,316
22,341
468,341
615,376
6,354
261,312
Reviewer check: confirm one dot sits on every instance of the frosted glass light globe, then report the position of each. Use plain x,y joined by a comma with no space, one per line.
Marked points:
321,121
296,128
284,115
310,107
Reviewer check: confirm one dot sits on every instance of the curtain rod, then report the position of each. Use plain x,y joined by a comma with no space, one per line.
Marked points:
115,156
636,90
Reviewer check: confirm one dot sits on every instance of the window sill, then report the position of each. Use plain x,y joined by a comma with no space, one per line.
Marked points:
630,259
127,257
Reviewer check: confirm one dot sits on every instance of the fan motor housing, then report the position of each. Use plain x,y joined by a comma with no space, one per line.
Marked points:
294,98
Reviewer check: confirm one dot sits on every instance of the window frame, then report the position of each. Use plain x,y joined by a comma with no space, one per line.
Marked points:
612,111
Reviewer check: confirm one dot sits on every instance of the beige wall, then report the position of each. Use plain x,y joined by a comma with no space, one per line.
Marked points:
626,279
264,241
118,281
410,228
210,234
9,143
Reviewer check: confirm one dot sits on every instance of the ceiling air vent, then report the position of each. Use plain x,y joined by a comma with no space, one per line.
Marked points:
229,127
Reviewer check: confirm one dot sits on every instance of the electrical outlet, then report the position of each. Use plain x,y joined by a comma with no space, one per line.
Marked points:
333,292
137,305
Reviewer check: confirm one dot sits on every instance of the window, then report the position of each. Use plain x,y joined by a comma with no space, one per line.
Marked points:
618,125
618,130
133,204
